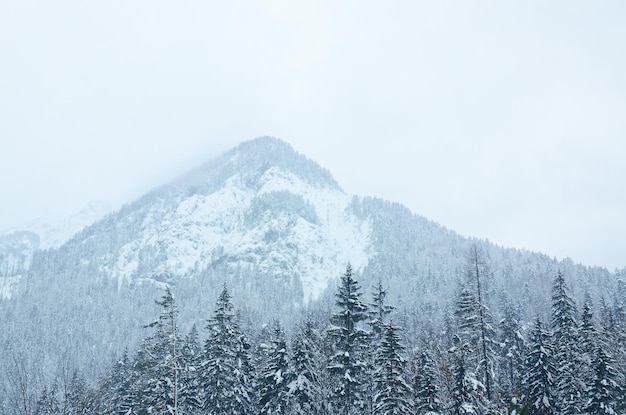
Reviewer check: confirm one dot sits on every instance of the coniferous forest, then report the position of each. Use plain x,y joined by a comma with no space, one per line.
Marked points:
357,358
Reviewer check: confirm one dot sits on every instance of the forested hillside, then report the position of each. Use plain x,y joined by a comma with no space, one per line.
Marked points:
358,360
256,312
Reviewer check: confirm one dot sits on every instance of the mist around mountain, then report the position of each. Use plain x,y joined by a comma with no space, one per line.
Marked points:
18,245
265,235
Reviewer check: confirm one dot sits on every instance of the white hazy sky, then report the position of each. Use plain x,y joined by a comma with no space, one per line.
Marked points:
503,120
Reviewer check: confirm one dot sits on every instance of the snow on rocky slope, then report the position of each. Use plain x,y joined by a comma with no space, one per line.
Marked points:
262,216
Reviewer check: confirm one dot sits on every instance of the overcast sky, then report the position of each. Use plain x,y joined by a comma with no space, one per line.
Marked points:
503,120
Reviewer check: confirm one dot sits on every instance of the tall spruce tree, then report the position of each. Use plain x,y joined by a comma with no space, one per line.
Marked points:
392,391
588,331
466,393
426,387
588,341
612,333
305,389
158,361
605,391
189,391
475,326
276,377
378,312
512,352
77,396
347,365
566,348
225,380
120,395
469,356
539,374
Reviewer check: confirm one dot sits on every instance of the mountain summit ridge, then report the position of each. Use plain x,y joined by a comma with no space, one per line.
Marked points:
252,158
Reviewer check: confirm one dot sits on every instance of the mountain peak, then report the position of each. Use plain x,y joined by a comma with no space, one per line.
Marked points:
249,161
262,153
260,208
266,142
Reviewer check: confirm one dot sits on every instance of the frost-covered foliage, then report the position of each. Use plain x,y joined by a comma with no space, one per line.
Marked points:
567,354
226,375
392,391
539,382
511,348
475,331
605,392
379,311
306,389
348,363
158,361
426,387
276,377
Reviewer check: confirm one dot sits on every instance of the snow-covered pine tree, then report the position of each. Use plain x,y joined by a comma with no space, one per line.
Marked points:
392,391
588,331
120,391
77,396
467,394
426,387
189,390
605,392
48,404
512,352
466,315
67,395
348,361
470,390
480,326
540,371
158,361
566,348
276,377
225,379
378,312
614,329
305,390
588,340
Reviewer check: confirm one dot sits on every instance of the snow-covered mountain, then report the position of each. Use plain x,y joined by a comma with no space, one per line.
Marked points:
275,227
18,245
265,217
260,208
